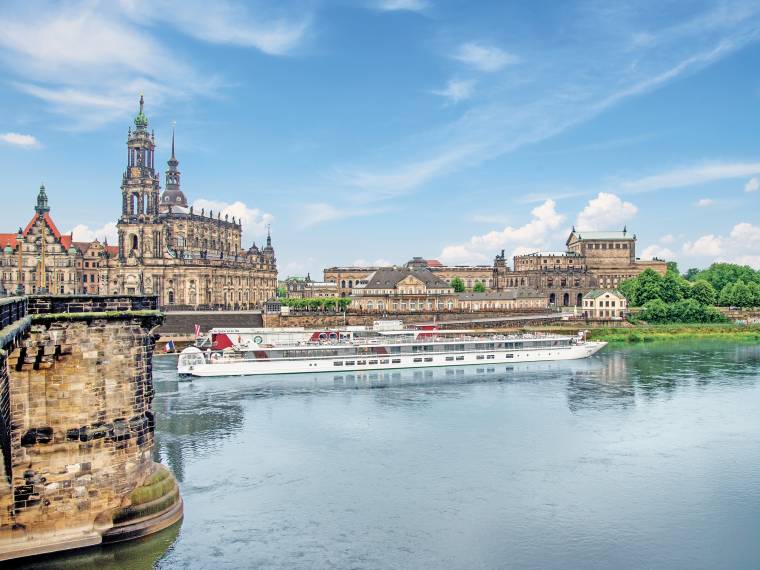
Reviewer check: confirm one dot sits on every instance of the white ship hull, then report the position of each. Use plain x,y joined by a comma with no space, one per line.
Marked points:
227,366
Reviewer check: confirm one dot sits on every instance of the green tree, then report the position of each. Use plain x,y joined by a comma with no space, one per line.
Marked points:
702,292
742,296
721,274
479,287
282,292
726,296
755,291
672,267
457,284
654,311
629,288
649,286
673,287
692,274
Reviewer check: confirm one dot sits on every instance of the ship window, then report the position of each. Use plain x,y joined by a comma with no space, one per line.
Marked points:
418,360
510,355
449,358
384,361
396,361
460,357
429,359
490,356
337,363
480,357
373,361
350,362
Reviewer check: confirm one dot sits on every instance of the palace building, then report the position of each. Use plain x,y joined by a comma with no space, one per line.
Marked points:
187,258
592,260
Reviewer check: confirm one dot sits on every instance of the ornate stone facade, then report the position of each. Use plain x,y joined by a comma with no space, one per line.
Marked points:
188,259
592,260
38,258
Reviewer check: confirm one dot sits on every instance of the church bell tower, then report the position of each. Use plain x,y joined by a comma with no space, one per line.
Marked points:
140,192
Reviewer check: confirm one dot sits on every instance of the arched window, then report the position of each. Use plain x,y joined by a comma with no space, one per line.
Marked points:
566,299
134,242
171,297
552,299
370,306
350,284
133,204
579,300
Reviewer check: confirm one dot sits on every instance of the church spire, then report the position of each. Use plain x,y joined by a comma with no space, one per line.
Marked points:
141,121
42,207
173,196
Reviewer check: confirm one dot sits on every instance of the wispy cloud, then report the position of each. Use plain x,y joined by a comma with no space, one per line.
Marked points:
107,232
704,202
21,140
484,57
560,90
277,31
741,245
752,184
402,5
688,176
88,61
456,90
321,212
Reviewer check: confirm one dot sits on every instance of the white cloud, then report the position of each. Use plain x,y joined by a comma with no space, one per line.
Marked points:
532,236
224,22
667,239
254,220
694,175
604,212
657,251
565,88
706,246
320,212
17,139
407,5
704,202
752,184
456,90
484,57
106,232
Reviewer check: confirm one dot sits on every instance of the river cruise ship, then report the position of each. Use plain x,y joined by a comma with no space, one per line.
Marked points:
391,350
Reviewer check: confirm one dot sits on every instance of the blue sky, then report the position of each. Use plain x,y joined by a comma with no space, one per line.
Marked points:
374,130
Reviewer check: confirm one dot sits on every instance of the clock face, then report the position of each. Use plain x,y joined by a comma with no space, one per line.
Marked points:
135,171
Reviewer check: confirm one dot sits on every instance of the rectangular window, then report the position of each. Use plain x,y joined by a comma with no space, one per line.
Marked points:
448,358
418,360
384,361
361,362
337,363
460,357
480,357
373,361
350,362
490,357
429,359
396,361
509,355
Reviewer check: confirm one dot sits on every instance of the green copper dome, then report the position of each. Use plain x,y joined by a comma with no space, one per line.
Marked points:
141,121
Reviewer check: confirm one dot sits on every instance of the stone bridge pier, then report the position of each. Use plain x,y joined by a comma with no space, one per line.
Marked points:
77,425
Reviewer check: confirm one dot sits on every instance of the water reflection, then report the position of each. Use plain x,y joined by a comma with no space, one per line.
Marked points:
136,555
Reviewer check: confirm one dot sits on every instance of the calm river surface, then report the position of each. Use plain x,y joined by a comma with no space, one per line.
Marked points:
640,457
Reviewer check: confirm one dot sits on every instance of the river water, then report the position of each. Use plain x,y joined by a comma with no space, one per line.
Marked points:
640,457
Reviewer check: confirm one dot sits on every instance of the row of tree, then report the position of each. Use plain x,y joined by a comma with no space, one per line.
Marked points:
683,311
318,303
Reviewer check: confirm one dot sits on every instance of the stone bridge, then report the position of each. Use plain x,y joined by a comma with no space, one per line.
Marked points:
76,424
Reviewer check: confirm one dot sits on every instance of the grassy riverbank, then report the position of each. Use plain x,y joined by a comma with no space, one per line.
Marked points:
658,333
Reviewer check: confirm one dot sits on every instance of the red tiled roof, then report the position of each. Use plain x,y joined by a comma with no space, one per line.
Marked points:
433,263
112,249
8,239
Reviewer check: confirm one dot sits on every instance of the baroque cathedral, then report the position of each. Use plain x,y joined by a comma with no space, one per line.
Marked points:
187,258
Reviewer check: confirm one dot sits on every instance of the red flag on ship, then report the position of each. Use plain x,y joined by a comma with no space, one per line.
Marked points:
197,330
